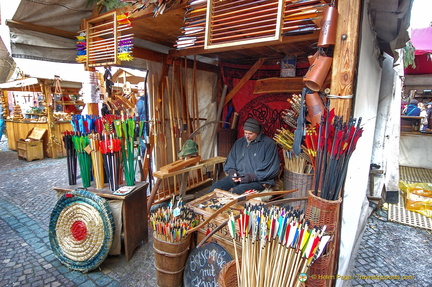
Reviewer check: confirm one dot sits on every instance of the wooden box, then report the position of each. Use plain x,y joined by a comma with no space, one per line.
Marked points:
410,123
31,148
208,204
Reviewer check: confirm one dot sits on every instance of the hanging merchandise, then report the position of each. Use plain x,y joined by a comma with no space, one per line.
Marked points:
81,47
125,43
90,88
318,71
327,35
315,107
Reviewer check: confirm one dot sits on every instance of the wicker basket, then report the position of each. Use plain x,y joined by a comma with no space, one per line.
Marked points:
228,275
322,212
321,271
301,181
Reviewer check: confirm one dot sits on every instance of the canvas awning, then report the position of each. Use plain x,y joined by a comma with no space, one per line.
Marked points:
62,17
422,40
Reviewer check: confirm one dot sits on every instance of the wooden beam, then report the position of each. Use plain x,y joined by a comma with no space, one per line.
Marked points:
244,80
279,85
345,56
41,29
146,54
45,87
285,40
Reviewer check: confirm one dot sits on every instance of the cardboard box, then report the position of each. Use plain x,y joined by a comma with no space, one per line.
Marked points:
31,148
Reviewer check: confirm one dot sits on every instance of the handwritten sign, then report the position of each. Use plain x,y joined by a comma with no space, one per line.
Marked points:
204,264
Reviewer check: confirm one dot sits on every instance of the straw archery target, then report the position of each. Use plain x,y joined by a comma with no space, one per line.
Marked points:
81,230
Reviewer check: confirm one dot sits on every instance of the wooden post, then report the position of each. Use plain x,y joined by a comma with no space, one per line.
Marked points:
92,108
46,90
345,56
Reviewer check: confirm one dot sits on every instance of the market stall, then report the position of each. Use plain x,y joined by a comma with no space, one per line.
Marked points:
229,68
40,103
415,137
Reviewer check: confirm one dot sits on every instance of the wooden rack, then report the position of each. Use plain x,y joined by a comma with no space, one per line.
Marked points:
103,34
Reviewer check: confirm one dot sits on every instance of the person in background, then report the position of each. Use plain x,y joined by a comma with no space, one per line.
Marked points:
413,109
252,163
429,116
423,114
403,107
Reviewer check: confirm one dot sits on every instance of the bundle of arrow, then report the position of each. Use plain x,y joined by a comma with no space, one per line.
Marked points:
278,245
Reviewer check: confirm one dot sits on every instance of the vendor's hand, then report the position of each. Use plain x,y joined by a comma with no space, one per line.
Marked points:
249,177
232,173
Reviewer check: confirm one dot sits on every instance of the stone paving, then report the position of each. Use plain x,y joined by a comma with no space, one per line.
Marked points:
399,253
26,258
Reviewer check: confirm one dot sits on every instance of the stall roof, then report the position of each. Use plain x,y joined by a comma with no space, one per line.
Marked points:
131,75
46,30
422,40
32,84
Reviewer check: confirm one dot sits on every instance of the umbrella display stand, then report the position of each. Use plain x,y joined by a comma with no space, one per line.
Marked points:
322,212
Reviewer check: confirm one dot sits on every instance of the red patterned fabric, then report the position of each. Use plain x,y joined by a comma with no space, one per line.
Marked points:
266,108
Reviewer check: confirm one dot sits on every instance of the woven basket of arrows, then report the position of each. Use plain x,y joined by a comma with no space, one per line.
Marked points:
228,275
322,272
322,212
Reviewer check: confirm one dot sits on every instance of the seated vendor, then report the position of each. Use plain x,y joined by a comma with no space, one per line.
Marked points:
252,163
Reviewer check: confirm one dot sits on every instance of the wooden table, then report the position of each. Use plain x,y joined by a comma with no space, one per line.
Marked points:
134,213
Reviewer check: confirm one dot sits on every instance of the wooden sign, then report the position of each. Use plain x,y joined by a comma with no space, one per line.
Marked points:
204,264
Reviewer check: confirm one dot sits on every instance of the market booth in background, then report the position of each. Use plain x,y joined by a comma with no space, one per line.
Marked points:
40,103
415,140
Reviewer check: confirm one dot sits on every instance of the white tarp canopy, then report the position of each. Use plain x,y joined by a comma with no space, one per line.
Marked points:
63,15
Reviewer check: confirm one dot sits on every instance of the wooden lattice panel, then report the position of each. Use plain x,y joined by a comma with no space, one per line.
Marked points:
103,35
232,23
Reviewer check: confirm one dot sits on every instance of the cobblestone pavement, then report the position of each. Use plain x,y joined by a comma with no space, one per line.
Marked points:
399,253
26,258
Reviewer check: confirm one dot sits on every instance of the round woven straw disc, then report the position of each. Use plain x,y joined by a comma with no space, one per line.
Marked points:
81,230
75,218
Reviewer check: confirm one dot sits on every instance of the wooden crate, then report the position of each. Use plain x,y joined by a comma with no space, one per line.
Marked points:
31,148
